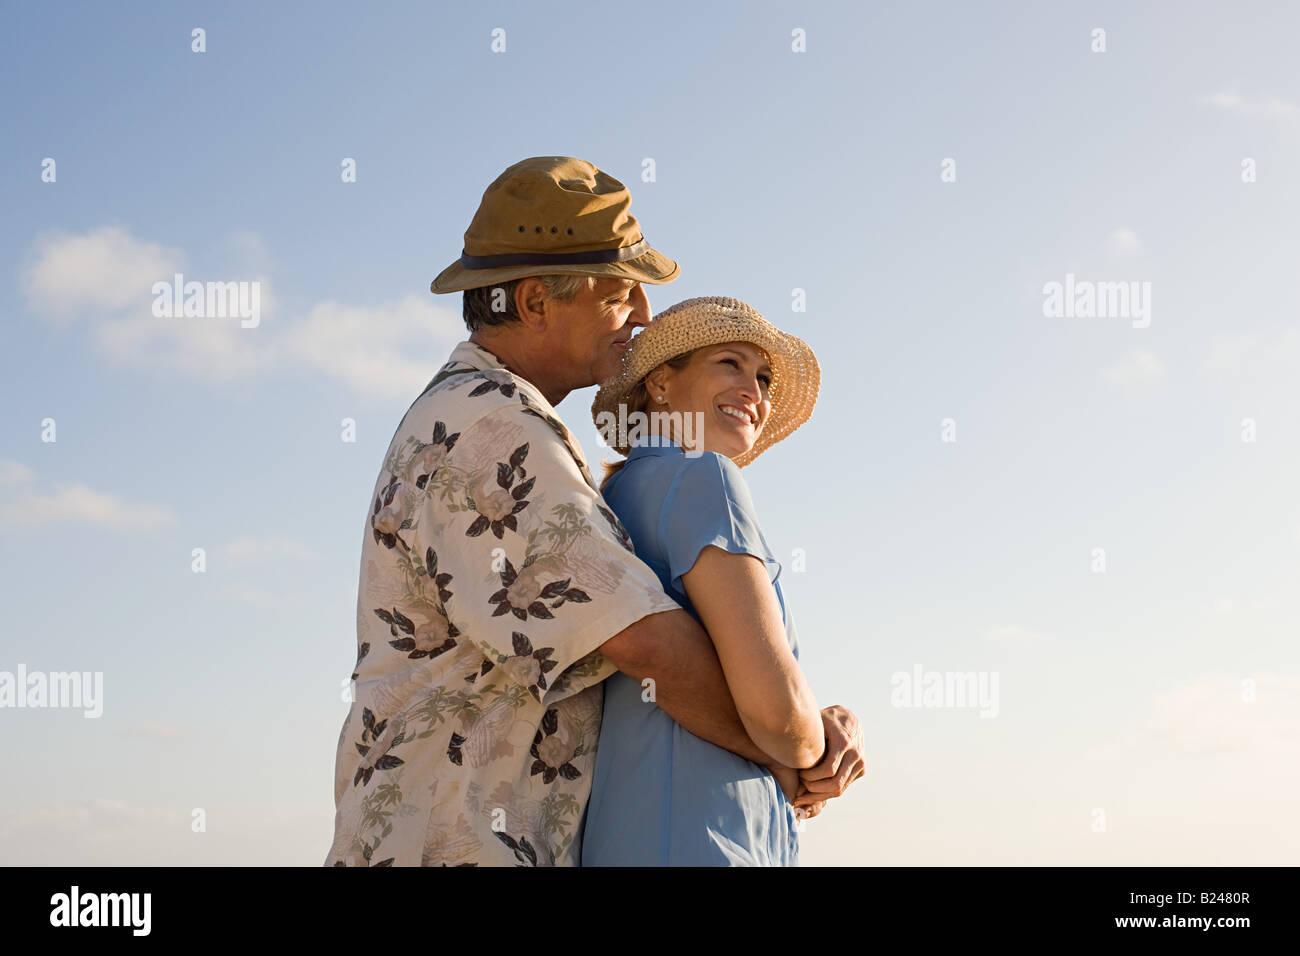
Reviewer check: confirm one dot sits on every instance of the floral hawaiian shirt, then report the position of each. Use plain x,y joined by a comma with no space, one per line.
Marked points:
491,573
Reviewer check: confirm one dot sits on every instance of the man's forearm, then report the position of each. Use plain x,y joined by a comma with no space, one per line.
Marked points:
673,650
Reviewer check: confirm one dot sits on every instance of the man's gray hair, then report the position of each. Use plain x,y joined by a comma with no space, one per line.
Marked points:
495,304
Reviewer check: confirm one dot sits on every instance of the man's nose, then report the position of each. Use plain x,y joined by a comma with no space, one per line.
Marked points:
640,314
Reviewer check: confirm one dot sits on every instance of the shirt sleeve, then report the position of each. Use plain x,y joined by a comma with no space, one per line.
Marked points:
543,572
709,504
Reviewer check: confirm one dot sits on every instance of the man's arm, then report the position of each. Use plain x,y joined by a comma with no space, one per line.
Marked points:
674,651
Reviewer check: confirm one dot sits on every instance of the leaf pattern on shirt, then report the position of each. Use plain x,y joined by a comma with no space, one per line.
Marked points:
497,507
428,457
466,675
523,593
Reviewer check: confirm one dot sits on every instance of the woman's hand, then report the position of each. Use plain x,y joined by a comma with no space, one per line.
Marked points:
843,761
810,810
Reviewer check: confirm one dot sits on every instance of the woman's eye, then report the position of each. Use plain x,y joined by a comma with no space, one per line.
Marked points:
732,362
766,380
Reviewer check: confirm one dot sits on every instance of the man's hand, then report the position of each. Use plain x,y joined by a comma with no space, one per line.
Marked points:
843,763
787,778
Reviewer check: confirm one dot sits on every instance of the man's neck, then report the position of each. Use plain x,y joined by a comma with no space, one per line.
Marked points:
528,363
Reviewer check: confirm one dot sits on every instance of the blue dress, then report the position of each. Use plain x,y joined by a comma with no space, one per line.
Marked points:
660,795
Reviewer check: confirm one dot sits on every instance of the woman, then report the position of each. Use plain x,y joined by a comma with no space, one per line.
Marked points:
715,376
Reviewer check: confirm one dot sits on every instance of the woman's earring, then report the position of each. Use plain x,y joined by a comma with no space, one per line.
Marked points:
661,398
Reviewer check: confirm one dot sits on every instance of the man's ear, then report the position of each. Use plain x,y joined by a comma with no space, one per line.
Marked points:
531,302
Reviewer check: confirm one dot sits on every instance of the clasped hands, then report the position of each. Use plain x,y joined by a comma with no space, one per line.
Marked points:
843,762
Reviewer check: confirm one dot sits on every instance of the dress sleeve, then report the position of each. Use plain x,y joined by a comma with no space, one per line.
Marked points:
709,504
544,573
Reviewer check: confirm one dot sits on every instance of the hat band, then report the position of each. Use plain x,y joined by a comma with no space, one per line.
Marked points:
621,254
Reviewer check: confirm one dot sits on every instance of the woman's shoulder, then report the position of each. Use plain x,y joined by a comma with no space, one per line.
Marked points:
709,504
711,478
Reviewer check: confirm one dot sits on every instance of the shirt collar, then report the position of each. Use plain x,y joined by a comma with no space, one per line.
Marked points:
654,445
475,356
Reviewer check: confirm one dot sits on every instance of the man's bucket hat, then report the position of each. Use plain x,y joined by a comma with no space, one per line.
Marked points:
554,214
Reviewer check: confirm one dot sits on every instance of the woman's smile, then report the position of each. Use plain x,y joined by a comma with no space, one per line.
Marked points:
740,414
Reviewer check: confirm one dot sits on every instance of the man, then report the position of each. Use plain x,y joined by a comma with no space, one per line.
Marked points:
497,590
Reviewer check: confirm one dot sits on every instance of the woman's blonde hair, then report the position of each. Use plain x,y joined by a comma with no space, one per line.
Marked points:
638,400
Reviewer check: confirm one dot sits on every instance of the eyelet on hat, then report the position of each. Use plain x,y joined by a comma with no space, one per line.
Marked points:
562,202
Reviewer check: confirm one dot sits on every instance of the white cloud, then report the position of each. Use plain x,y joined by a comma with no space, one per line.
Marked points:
246,549
98,829
154,730
1235,103
1212,716
1125,242
1198,777
78,503
250,251
102,832
264,598
14,472
104,269
1013,637
1228,353
1254,355
1258,368
1139,369
211,349
387,349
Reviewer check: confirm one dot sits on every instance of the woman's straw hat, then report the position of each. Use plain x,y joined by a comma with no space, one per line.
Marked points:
713,320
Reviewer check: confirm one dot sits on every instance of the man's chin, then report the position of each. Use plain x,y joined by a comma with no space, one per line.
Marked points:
608,369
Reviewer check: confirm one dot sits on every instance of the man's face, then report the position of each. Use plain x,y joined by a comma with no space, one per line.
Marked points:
591,332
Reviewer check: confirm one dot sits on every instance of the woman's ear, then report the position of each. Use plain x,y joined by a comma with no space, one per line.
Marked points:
657,381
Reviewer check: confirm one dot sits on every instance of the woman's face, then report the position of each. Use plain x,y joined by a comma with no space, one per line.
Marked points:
727,386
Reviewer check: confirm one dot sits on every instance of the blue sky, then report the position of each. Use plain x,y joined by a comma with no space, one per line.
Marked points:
1120,691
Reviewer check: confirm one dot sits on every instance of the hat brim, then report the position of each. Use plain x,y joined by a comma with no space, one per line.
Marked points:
652,267
797,375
